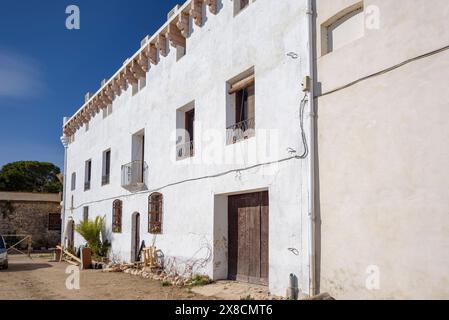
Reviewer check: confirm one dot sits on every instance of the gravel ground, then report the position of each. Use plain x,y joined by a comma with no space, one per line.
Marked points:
40,279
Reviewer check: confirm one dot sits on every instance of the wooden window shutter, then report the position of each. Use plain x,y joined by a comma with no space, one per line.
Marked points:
117,216
155,213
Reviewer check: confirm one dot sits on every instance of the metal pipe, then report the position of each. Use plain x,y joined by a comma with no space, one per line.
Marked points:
65,143
312,162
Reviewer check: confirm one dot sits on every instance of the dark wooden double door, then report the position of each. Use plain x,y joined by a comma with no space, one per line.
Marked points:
248,237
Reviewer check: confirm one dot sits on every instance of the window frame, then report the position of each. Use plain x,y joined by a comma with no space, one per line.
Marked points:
241,117
87,175
73,182
117,216
86,213
54,226
106,168
155,213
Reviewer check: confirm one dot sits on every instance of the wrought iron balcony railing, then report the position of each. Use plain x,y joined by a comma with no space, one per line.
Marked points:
240,131
134,176
86,185
185,150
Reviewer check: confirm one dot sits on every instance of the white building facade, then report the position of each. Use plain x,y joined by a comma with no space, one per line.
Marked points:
199,145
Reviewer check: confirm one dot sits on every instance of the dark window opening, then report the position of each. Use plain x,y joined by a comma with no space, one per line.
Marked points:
88,175
106,167
54,222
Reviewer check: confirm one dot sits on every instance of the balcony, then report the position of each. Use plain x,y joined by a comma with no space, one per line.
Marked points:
185,150
240,131
134,176
87,186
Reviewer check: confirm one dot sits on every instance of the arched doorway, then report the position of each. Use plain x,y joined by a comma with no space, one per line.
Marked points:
135,236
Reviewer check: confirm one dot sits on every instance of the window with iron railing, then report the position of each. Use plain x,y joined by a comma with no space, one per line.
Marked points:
155,206
185,148
134,175
117,216
242,94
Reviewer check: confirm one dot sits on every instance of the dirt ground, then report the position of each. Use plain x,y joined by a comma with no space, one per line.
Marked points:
40,279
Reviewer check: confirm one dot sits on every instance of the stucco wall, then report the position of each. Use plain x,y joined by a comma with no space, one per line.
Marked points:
383,156
194,224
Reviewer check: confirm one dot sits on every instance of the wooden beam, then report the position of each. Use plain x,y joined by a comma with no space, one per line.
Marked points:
175,36
196,11
122,81
129,75
116,87
183,24
161,44
152,54
137,70
213,7
143,61
242,84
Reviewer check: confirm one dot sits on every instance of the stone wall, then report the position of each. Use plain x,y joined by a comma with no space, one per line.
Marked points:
23,217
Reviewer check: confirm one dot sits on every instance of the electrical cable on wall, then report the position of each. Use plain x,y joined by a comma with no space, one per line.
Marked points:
303,156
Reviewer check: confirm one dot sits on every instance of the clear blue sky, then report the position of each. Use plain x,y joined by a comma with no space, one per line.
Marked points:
45,69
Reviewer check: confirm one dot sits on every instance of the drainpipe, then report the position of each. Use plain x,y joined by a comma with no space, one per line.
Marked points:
65,143
312,162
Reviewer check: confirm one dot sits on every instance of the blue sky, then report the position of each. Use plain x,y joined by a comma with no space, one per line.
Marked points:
45,69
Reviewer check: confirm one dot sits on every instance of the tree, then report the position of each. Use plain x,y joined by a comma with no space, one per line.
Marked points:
30,176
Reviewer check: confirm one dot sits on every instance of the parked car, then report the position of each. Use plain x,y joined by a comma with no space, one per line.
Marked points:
3,254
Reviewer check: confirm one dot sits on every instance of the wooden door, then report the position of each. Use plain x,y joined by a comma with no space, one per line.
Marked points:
248,237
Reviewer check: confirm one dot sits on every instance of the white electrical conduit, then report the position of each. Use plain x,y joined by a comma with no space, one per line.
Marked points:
312,162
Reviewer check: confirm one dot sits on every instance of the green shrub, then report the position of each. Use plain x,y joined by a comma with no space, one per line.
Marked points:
91,231
199,280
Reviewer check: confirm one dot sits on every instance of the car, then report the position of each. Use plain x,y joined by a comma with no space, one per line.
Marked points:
3,254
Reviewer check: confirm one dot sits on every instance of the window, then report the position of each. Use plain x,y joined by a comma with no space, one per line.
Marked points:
155,205
86,126
185,125
54,222
241,108
71,202
85,213
73,181
343,28
106,167
240,5
117,216
87,175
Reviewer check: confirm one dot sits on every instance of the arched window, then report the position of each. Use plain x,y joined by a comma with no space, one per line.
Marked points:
155,206
117,216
